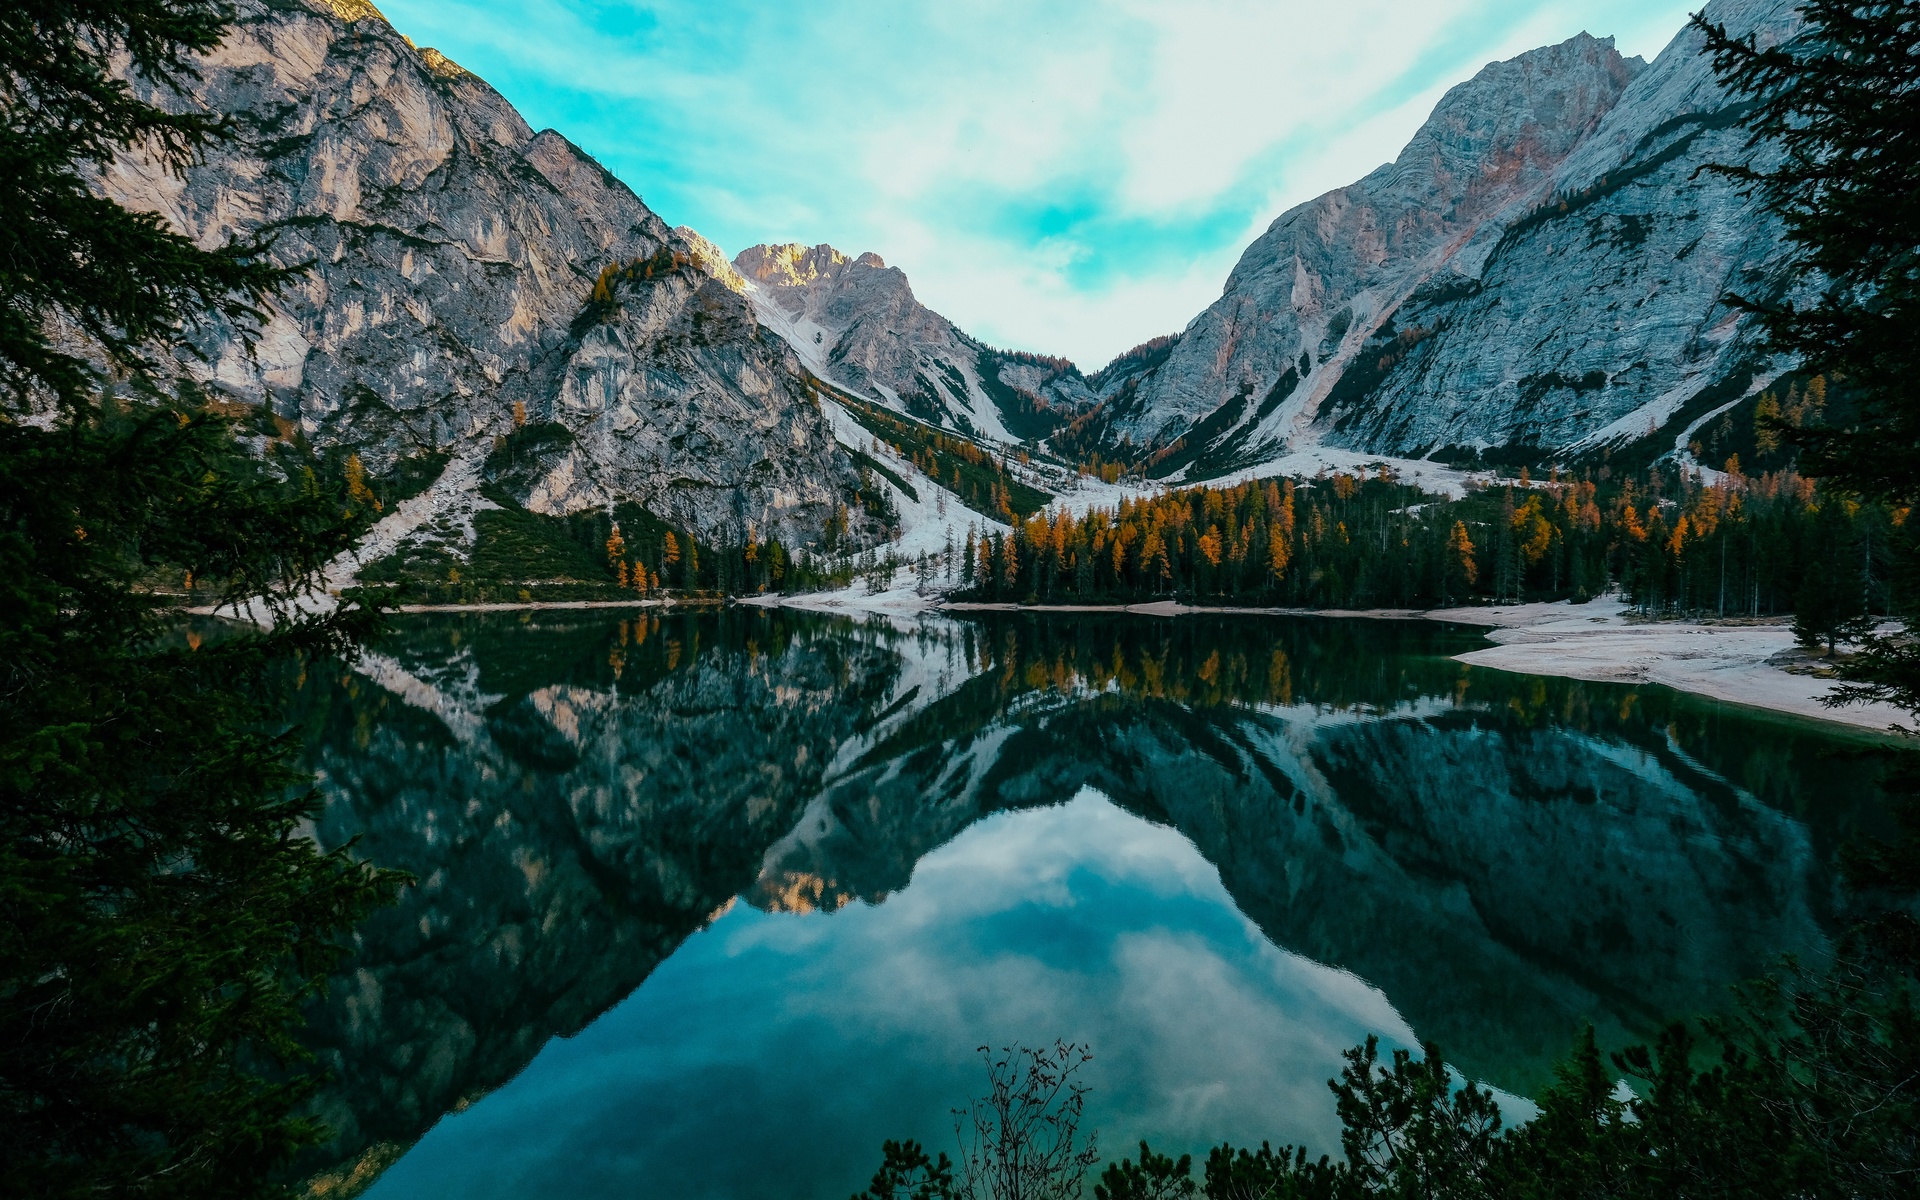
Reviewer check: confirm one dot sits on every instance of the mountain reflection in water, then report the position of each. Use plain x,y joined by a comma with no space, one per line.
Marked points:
1227,848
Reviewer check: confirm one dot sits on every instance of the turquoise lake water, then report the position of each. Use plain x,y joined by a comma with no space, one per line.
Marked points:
709,904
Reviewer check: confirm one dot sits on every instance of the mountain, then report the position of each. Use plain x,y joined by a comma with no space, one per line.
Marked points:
855,322
474,280
1541,273
1543,269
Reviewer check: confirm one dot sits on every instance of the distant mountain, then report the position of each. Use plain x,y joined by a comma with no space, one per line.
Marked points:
1544,268
856,323
473,278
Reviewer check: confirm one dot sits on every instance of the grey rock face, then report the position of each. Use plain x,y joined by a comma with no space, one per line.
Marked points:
1599,314
453,250
1324,275
678,399
1544,264
856,323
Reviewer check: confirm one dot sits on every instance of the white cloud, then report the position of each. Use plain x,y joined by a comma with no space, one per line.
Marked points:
1072,177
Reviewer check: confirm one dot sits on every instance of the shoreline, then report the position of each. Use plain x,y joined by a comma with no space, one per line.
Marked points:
1738,661
1744,662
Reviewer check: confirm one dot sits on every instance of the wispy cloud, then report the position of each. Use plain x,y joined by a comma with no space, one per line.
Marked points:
1071,177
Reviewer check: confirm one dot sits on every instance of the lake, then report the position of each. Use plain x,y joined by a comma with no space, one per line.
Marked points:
709,903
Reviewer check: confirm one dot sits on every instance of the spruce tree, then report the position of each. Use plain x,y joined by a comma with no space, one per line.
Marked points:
1834,114
161,921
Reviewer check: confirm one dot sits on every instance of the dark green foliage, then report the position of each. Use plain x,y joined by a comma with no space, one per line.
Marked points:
512,543
520,556
866,462
521,457
121,278
1831,605
1239,1174
1743,548
1840,103
1806,1093
161,919
906,1173
1157,1177
410,477
1026,416
1407,1131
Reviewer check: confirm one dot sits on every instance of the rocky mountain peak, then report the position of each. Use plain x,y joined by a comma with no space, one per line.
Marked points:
711,259
856,324
1325,270
795,266
1542,262
455,298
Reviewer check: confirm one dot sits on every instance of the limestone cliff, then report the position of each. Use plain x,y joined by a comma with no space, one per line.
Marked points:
1545,268
454,255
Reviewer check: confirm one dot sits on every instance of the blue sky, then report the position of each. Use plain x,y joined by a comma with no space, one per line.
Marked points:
1064,176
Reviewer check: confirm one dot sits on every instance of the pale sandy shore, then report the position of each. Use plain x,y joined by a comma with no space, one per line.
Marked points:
1737,662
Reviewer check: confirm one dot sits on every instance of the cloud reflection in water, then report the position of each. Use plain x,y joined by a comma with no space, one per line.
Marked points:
787,1045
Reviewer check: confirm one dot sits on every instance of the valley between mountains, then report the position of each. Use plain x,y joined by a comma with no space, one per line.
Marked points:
523,359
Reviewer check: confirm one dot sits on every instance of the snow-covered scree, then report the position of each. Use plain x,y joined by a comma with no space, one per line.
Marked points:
926,523
445,510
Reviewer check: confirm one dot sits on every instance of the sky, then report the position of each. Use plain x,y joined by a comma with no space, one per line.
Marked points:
1064,176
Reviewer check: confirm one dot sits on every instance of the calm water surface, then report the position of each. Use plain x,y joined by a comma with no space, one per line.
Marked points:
709,904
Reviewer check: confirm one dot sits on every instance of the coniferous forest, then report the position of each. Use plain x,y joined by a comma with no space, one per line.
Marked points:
1673,543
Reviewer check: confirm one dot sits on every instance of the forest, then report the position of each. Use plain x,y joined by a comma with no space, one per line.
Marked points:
1674,541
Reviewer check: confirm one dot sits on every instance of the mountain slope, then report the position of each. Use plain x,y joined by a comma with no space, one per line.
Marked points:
1543,269
856,323
454,251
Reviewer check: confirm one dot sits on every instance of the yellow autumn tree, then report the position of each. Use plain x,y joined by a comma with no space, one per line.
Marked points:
616,549
1460,554
357,490
1210,545
1279,552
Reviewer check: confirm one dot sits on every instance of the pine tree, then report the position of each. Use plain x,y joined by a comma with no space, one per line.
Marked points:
1840,102
1460,571
165,918
1831,605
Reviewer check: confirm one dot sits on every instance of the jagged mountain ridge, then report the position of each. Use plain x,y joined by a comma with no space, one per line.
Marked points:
454,251
1543,269
856,323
